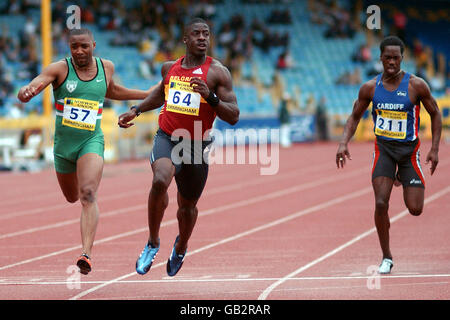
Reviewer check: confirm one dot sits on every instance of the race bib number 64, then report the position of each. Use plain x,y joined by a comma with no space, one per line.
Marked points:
80,113
183,99
391,124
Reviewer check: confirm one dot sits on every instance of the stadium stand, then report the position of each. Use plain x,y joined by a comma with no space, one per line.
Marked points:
309,49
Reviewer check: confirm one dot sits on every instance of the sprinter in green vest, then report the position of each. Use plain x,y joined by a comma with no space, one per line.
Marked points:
80,84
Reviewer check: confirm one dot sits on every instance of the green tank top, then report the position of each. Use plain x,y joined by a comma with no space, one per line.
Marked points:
79,106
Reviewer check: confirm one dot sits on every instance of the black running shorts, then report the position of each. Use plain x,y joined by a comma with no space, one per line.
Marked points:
390,156
190,161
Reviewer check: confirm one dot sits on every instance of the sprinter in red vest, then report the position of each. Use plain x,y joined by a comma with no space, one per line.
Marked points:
193,90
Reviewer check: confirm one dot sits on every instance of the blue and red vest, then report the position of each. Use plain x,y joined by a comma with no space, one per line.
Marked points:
395,117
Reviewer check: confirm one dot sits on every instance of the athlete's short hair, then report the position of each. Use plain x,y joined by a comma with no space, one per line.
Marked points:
193,21
392,41
81,31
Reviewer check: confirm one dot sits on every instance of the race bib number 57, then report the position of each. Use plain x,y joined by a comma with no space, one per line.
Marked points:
80,113
391,124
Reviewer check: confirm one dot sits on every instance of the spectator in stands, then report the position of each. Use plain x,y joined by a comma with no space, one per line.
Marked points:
400,23
237,22
279,17
362,54
437,82
311,104
319,12
322,120
235,56
284,116
280,39
8,45
376,69
13,7
29,27
146,68
58,11
284,61
350,78
204,9
340,24
266,41
147,48
417,48
6,87
30,63
226,35
60,38
424,57
87,14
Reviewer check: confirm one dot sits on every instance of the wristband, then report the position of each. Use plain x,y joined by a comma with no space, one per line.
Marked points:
212,99
137,110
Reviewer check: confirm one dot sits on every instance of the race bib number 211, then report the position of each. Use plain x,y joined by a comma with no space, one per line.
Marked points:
391,124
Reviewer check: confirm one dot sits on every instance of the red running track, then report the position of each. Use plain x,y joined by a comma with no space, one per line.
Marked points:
305,233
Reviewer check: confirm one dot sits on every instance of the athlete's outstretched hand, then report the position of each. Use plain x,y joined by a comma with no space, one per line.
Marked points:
434,159
27,92
125,118
341,154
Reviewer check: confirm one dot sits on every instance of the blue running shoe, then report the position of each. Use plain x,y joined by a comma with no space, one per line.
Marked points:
175,261
145,260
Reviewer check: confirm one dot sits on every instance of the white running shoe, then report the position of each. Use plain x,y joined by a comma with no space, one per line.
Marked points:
386,266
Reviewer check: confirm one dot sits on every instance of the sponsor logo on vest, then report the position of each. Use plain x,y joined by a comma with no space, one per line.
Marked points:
401,93
180,78
197,71
71,85
391,106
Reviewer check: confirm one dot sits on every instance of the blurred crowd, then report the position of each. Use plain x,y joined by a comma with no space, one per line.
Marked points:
237,37
21,52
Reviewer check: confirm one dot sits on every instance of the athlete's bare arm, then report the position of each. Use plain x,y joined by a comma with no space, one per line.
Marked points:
52,74
219,81
361,104
118,92
154,99
423,94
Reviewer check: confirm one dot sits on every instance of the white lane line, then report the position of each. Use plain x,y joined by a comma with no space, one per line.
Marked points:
240,235
268,290
6,281
203,213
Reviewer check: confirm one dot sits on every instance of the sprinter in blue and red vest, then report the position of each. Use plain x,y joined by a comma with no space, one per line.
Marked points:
395,96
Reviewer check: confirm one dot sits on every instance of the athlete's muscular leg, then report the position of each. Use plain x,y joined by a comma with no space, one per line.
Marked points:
382,187
414,199
68,183
89,173
158,199
187,217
